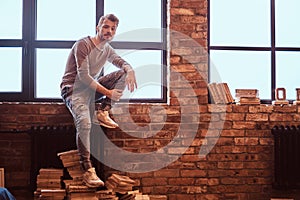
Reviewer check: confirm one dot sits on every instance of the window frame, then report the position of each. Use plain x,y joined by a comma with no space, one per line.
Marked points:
29,44
272,49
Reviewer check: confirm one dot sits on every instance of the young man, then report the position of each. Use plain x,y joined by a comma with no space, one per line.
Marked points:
82,84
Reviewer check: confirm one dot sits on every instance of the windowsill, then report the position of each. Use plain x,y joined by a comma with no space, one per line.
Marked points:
62,103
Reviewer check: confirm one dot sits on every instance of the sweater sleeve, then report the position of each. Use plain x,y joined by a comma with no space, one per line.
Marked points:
81,53
116,60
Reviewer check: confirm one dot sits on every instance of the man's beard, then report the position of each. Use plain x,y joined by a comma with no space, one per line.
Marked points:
107,37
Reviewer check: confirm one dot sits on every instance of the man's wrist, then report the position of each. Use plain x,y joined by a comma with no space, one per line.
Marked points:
127,68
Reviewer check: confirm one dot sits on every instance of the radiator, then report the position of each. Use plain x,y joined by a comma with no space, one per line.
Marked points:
286,157
46,142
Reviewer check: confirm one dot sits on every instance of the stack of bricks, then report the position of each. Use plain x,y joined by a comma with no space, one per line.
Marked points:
49,185
117,187
71,161
106,194
119,183
80,192
75,188
122,186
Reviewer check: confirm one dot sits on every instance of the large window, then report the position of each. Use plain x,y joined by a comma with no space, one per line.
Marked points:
36,37
255,44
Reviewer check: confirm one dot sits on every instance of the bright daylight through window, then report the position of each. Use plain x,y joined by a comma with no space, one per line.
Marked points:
255,44
36,41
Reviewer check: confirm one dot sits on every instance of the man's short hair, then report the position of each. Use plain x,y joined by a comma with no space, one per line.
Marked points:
110,17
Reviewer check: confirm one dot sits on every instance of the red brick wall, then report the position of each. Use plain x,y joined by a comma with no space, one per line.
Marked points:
15,143
239,166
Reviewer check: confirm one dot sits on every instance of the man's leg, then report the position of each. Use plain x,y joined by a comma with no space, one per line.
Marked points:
110,81
78,104
83,126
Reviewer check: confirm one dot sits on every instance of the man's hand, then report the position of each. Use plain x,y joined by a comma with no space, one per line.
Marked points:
115,94
130,80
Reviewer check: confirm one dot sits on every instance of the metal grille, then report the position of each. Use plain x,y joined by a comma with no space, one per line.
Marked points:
287,157
46,142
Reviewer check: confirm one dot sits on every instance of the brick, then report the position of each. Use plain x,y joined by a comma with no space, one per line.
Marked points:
167,173
242,188
181,196
266,141
153,181
193,173
53,110
232,181
220,173
208,197
182,51
239,141
167,189
232,133
32,118
240,108
193,19
258,180
213,181
257,117
181,181
199,35
261,109
243,125
251,141
230,165
214,108
235,116
239,196
258,133
225,141
184,27
182,11
285,108
16,108
195,189
188,68
281,117
257,165
175,60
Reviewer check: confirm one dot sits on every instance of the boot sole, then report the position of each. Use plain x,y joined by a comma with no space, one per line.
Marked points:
93,186
106,125
103,124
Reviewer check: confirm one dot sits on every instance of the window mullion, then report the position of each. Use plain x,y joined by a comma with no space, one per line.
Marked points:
99,9
273,52
25,49
28,35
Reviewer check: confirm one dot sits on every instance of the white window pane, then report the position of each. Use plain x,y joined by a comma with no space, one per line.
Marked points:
287,23
11,19
11,65
242,69
287,72
139,20
65,19
50,67
240,23
148,73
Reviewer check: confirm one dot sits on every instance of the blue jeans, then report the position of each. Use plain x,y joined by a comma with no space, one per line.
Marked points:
81,104
5,194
